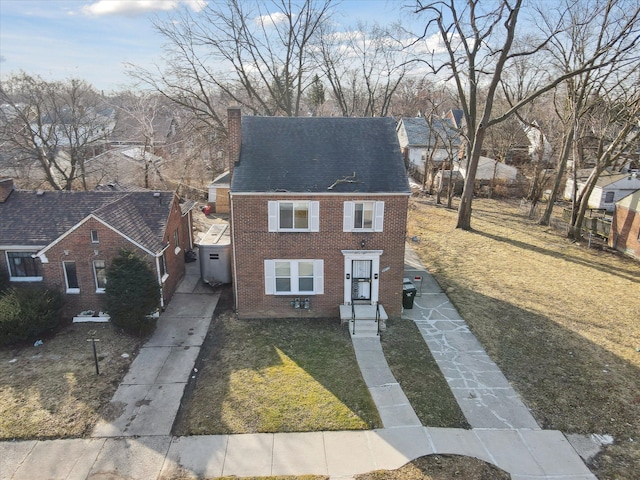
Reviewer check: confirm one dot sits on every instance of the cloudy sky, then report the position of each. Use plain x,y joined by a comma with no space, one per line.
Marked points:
93,39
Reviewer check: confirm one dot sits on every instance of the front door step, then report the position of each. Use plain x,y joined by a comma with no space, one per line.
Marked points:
365,319
362,312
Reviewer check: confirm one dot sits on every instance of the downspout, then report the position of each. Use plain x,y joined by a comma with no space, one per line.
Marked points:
233,254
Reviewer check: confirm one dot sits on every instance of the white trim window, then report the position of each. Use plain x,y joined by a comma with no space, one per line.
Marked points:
71,277
176,241
94,236
294,216
363,216
24,267
100,275
162,265
294,277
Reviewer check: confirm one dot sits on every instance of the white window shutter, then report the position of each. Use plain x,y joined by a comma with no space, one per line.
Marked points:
269,277
314,210
347,225
379,216
273,216
318,276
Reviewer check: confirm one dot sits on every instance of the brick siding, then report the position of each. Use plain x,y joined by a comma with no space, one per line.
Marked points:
625,230
253,243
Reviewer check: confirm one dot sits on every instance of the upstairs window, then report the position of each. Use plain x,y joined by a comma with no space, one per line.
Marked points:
94,236
294,216
608,197
24,267
365,216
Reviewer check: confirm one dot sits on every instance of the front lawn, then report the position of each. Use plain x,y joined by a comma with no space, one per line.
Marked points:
276,375
52,390
418,374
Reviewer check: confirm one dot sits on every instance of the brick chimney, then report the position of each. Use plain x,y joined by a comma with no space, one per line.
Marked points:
234,126
6,187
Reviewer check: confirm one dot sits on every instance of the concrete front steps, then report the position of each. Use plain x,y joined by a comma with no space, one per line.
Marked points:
365,319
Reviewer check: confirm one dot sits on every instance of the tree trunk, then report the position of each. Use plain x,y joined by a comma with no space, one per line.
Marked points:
464,211
562,163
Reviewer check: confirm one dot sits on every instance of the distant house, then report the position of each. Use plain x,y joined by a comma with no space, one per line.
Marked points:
318,216
66,240
610,188
625,228
419,139
489,170
219,192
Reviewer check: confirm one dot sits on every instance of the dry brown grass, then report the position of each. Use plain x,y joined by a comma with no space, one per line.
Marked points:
561,320
52,391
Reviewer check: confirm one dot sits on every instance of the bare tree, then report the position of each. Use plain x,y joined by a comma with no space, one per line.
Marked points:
256,54
479,42
55,125
596,39
614,121
364,68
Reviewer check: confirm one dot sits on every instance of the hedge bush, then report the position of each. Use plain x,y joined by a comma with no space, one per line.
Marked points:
132,293
28,311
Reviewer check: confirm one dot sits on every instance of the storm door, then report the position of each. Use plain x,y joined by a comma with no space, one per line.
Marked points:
361,280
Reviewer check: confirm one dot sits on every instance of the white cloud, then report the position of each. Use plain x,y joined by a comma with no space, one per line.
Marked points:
272,19
434,44
138,7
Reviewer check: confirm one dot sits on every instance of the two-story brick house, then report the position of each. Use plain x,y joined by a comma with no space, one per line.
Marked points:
318,215
65,240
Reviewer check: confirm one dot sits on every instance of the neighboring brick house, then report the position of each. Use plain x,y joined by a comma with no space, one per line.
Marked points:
65,240
318,215
625,228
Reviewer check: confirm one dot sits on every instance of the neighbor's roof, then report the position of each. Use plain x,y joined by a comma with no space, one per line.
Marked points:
607,179
222,179
29,218
421,133
316,154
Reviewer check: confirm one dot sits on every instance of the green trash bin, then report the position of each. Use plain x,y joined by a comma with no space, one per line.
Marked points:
408,294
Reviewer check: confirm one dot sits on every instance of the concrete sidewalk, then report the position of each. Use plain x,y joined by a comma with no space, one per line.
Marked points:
526,454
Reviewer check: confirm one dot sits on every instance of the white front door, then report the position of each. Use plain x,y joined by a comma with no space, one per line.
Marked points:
361,276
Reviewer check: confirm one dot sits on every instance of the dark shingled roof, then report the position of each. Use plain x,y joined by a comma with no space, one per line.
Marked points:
324,155
27,218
